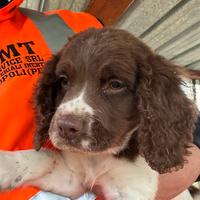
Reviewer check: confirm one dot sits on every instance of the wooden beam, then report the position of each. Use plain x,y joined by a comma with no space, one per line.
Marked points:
108,11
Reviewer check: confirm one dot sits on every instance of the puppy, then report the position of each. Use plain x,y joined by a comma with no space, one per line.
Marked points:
116,113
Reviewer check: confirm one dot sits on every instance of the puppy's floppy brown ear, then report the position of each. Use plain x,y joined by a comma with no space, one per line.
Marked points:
167,116
44,101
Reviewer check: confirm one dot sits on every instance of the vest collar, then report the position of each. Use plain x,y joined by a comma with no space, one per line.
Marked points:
9,10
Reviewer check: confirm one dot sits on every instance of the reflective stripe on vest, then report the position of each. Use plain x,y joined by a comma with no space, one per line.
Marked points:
54,30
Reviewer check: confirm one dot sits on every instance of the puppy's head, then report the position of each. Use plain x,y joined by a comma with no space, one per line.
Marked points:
105,88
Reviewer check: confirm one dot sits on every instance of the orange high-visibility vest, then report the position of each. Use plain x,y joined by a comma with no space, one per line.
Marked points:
27,40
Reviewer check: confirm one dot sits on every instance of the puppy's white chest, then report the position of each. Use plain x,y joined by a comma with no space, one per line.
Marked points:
88,168
114,179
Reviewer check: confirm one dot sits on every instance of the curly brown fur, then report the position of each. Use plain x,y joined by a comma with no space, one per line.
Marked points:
45,95
153,101
167,116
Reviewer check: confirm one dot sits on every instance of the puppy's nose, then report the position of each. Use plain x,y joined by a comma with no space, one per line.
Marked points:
69,126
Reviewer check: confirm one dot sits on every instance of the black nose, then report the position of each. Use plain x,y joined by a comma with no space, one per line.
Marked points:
69,126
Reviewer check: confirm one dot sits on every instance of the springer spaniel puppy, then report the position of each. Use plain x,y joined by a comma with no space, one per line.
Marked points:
117,115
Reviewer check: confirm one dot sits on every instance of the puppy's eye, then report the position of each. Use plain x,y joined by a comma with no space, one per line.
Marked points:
64,80
115,86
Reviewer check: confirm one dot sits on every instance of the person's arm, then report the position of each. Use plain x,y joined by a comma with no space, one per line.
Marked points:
171,184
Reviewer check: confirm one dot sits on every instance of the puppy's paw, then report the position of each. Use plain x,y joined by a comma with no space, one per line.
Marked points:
9,172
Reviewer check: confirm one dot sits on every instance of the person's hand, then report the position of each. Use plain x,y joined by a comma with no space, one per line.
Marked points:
172,184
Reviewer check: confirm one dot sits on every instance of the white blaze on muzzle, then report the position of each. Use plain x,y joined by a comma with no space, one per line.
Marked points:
76,106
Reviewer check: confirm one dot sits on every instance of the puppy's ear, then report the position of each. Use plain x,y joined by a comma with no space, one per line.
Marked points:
45,101
167,116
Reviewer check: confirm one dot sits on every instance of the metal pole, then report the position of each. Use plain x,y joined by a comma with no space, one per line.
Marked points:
41,5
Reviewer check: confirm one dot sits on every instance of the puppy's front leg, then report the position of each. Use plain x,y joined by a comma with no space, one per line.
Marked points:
19,167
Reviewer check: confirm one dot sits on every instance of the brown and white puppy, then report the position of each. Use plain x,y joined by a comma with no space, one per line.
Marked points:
116,112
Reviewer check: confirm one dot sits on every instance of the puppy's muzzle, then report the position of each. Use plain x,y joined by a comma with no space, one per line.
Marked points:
74,130
69,126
